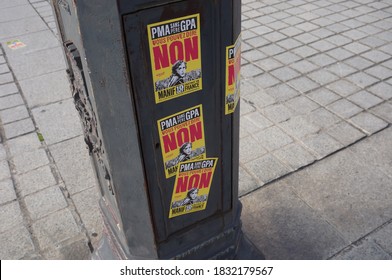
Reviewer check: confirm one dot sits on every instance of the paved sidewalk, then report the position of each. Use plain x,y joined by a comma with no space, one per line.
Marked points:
315,154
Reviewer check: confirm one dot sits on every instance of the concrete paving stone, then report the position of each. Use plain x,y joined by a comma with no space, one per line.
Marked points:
322,77
35,64
10,101
379,72
250,149
383,111
369,30
45,13
69,250
344,88
303,84
304,66
55,228
6,78
299,127
301,104
287,58
246,107
247,183
365,250
29,25
247,24
267,168
16,13
345,133
268,64
338,28
12,3
323,21
4,68
86,203
352,23
376,56
354,34
258,120
292,31
386,48
307,26
323,96
278,113
351,195
274,36
339,40
356,48
273,138
73,162
7,191
23,144
247,34
294,20
253,55
367,18
3,154
287,228
322,144
277,25
272,49
373,41
45,202
265,80
245,47
344,108
4,170
323,118
289,43
30,160
322,33
383,90
364,99
285,73
261,30
306,38
18,128
247,87
294,155
280,15
341,69
368,122
14,114
265,19
10,216
15,243
8,89
322,60
251,14
257,42
322,45
282,92
35,180
260,99
57,122
308,16
2,59
340,53
305,51
382,238
249,70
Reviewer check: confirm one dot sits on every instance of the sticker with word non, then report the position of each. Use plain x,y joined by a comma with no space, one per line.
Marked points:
182,138
175,57
192,186
15,44
233,66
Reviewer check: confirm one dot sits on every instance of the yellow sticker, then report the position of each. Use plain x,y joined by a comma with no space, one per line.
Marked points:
233,67
175,57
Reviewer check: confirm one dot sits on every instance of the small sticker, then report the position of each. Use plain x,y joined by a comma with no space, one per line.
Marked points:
182,138
15,44
175,57
192,186
233,67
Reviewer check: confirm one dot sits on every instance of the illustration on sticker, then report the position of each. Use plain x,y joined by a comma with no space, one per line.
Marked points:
15,44
175,57
182,138
192,186
233,66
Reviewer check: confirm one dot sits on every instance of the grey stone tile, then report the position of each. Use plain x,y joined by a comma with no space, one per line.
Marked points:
30,160
382,90
35,180
354,34
23,144
265,81
45,202
365,99
323,118
250,149
366,250
246,107
322,144
322,60
368,122
10,101
340,53
249,70
272,138
294,155
285,227
260,99
356,47
246,182
3,154
12,3
282,92
4,68
304,66
322,77
289,43
15,243
351,195
323,96
322,33
274,36
383,111
10,216
278,113
267,168
285,73
253,55
86,203
341,69
379,72
14,114
16,13
261,30
322,45
299,127
344,88
7,191
58,122
344,108
304,51
272,50
18,128
301,104
6,78
55,228
8,89
26,26
257,42
376,56
73,162
4,170
359,62
287,58
345,133
382,238
268,64
303,84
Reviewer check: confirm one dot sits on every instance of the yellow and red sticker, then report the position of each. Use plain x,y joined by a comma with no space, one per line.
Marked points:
233,67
